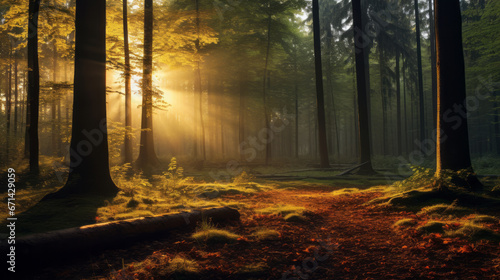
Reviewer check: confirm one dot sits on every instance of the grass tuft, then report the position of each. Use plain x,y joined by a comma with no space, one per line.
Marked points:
475,232
282,210
405,223
181,265
479,219
432,227
295,218
264,234
253,270
214,236
446,209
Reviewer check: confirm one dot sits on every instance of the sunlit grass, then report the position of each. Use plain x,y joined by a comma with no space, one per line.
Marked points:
263,234
282,210
474,232
182,265
214,236
484,219
445,210
407,222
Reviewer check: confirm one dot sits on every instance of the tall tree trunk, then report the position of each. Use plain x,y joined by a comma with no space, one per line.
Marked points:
453,137
296,113
420,78
433,61
16,93
383,96
89,168
128,89
241,111
264,89
361,71
147,156
323,146
54,135
398,106
33,87
9,96
405,109
221,119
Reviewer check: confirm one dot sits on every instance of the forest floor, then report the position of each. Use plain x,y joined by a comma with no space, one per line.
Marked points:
324,236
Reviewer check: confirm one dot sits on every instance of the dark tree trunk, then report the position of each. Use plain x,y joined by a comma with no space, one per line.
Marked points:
241,111
383,96
453,138
433,62
420,78
9,97
323,146
147,155
89,168
398,106
53,112
33,87
364,121
264,89
296,115
16,93
128,89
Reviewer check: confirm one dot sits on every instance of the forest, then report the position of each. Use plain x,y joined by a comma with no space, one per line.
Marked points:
266,139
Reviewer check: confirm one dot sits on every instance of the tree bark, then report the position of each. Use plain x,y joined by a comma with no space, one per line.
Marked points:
264,89
320,99
433,61
398,106
420,78
89,167
33,87
16,93
128,89
364,121
147,155
453,137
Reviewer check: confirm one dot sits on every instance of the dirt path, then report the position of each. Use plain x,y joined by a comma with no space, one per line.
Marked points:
341,239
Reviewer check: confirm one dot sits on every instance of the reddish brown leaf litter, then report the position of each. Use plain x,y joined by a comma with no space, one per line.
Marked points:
340,239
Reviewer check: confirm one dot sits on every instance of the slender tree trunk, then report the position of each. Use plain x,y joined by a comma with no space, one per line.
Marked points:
53,102
296,115
323,146
147,156
264,89
398,106
383,96
221,119
420,78
128,89
89,168
241,111
33,86
453,137
406,111
9,96
433,62
16,93
361,71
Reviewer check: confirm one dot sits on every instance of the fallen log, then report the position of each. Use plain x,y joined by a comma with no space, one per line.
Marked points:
73,242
